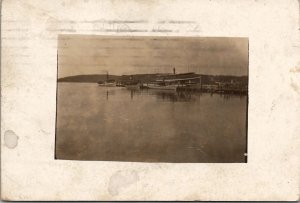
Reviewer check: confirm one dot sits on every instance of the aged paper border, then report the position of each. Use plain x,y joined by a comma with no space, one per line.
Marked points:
29,32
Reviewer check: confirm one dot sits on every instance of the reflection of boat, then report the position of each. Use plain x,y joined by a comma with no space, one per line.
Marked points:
173,96
107,83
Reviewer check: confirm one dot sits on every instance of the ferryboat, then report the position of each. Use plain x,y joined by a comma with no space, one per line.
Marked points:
173,81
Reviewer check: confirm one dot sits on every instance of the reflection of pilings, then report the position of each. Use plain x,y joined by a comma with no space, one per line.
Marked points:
226,97
107,95
131,94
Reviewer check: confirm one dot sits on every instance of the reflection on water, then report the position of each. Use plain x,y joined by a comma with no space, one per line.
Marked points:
172,96
117,124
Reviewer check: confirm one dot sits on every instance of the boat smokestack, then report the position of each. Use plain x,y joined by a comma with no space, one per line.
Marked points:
174,71
106,75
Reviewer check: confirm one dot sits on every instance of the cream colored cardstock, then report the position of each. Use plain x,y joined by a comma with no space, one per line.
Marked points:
29,32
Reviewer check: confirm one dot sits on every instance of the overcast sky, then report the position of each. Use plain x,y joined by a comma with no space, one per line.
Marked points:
82,54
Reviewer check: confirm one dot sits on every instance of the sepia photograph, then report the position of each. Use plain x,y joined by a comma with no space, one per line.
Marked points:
156,100
152,99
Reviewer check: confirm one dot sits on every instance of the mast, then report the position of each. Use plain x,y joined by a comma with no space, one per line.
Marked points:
200,82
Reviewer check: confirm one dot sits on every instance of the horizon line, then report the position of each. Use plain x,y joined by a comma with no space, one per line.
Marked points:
151,74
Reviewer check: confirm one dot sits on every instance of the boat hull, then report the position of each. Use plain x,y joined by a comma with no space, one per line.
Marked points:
108,85
161,87
137,86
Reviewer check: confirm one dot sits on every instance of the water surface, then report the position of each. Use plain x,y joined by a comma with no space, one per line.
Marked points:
117,124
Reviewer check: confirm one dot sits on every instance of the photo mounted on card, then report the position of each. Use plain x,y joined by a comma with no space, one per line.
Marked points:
152,99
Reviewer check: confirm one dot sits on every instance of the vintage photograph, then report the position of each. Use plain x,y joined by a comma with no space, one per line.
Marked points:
152,99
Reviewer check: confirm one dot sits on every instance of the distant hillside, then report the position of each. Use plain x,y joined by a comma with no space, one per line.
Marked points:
87,78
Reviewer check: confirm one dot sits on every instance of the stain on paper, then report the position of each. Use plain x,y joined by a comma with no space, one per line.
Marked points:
121,179
10,139
295,87
296,69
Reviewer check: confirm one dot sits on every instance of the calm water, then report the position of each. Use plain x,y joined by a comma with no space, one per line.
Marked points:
117,124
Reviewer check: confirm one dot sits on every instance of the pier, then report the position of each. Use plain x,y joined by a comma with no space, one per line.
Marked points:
213,89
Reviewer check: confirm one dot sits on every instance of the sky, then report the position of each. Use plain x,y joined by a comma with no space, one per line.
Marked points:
86,54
